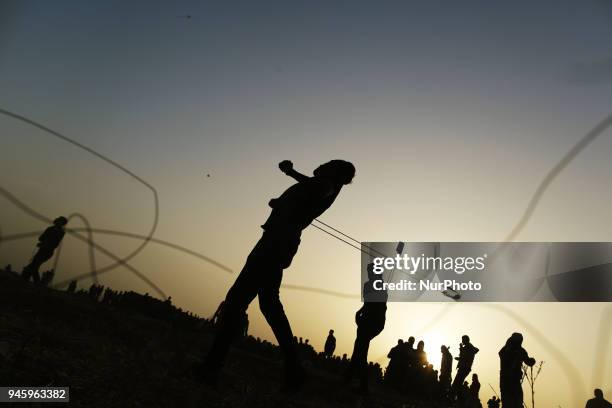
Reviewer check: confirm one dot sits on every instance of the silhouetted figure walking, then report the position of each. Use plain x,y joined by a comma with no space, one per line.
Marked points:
262,274
467,351
47,242
370,321
598,401
330,344
512,356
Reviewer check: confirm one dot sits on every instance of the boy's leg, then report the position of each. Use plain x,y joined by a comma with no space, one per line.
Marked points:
276,253
462,373
238,298
41,256
272,309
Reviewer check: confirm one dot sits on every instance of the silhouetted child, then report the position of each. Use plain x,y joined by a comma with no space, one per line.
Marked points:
47,242
512,356
262,274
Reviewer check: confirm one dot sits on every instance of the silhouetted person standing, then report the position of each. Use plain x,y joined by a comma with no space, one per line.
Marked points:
475,390
392,374
370,321
409,366
446,369
467,351
420,358
512,356
262,274
421,355
47,242
598,401
330,344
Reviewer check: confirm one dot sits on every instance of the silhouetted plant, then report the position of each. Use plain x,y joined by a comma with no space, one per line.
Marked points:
531,378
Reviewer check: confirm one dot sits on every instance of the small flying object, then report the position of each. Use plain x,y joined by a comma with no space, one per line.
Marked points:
186,16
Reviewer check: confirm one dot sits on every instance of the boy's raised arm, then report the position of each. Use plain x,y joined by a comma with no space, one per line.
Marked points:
286,166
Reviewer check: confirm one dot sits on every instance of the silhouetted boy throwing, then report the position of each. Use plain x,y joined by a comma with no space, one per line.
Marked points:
47,242
261,276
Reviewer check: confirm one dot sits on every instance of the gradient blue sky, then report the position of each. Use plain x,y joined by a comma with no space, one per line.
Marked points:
451,111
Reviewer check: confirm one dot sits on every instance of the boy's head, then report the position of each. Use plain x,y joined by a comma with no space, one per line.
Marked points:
60,221
339,171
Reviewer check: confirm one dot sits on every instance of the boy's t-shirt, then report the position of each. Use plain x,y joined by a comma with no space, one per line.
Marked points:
300,204
51,238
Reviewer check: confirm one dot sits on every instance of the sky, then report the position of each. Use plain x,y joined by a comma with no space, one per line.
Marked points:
452,113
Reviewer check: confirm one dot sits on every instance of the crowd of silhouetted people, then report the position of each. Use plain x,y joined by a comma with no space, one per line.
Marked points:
410,372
